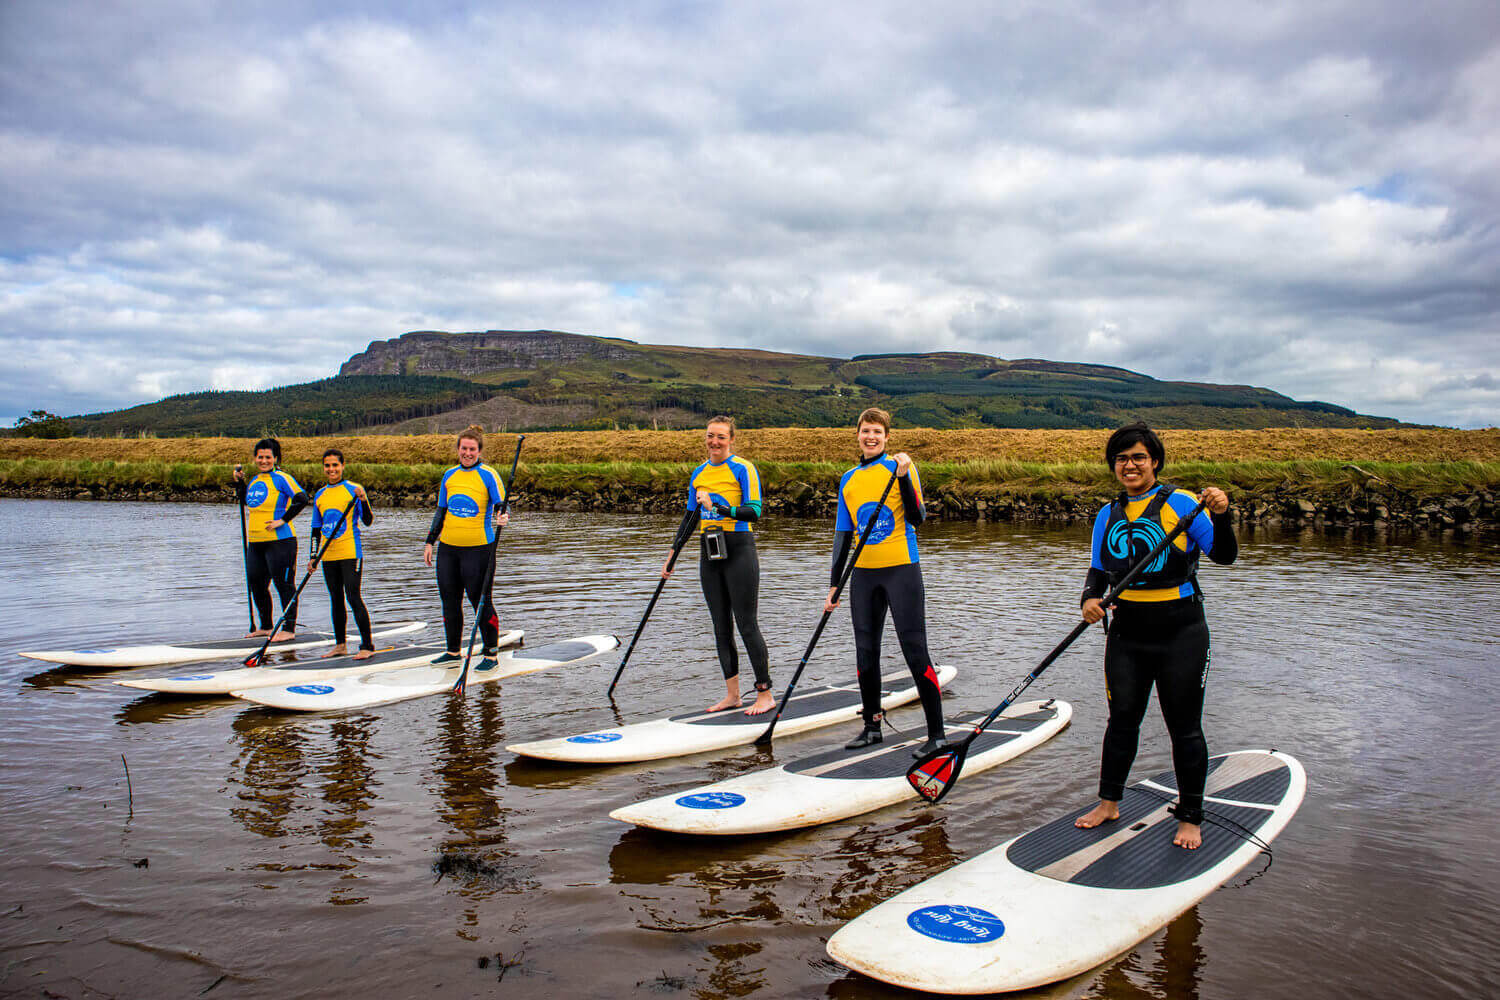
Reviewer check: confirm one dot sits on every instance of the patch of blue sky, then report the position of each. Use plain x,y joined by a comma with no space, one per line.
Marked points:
630,289
1397,187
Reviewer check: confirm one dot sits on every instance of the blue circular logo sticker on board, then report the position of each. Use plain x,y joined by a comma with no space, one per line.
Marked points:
885,522
191,677
595,738
94,651
332,527
256,494
958,924
310,689
712,800
462,506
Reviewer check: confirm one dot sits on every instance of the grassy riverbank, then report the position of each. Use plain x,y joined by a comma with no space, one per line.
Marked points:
1426,477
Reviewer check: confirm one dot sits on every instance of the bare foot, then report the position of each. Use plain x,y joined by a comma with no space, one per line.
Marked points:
283,636
1102,813
728,701
342,649
1189,836
364,654
257,632
763,703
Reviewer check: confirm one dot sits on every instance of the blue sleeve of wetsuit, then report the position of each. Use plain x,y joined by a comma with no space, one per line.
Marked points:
1096,583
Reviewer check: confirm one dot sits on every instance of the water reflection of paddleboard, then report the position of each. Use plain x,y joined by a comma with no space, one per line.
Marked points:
244,678
390,686
192,652
696,732
1058,900
838,783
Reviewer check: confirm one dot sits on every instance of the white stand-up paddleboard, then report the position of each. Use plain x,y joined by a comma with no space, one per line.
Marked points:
837,784
696,732
192,652
1059,900
245,678
390,686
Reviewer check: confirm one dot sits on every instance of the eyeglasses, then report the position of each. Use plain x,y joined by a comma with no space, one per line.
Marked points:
1140,460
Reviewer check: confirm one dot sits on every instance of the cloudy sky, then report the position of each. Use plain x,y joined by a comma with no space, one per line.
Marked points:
1299,195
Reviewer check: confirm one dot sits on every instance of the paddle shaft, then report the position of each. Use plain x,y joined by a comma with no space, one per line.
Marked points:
255,660
692,514
485,600
838,591
959,750
245,544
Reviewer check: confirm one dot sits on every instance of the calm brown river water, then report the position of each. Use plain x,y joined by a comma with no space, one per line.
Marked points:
271,855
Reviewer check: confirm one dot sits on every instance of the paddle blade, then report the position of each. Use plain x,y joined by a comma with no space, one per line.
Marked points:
934,775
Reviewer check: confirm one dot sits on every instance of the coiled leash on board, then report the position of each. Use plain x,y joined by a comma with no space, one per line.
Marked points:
1223,822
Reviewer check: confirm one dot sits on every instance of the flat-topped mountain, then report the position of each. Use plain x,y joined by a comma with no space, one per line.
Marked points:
431,381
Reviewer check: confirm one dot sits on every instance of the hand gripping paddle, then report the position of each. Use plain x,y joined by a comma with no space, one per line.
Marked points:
934,775
259,656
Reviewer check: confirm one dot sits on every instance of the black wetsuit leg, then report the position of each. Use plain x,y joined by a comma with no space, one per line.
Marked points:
274,562
900,590
343,578
731,586
1166,644
460,573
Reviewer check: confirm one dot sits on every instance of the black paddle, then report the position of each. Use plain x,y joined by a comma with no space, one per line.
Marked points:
765,738
684,532
245,544
259,655
489,577
935,774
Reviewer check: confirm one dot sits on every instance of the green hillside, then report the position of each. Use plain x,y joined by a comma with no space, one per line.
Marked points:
429,381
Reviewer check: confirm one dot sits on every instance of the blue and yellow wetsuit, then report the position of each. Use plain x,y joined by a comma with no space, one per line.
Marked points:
887,577
1159,635
463,529
271,556
343,560
731,585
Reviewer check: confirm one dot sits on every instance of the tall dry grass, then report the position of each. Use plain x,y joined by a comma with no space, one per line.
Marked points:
799,445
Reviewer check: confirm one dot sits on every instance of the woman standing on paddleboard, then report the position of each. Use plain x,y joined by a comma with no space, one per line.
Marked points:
1159,634
470,498
726,491
887,575
344,559
271,499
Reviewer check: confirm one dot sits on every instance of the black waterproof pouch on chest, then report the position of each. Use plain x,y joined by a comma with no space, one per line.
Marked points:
714,545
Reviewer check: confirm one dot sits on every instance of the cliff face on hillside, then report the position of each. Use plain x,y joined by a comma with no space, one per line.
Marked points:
426,352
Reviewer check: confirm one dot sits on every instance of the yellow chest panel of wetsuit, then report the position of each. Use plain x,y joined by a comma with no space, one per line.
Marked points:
892,541
733,482
328,505
266,499
468,496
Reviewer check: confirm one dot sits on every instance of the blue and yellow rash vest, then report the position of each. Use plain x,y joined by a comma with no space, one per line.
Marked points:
1122,535
267,497
466,499
733,483
328,506
893,540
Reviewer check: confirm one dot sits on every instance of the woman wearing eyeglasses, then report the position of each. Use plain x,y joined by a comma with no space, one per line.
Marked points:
1158,635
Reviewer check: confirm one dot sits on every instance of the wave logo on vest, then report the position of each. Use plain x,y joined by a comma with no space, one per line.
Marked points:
885,521
1132,540
332,527
256,494
711,800
595,738
462,506
957,924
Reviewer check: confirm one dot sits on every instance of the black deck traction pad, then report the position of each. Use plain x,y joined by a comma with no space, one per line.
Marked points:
896,759
814,702
561,651
252,642
1149,859
335,663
